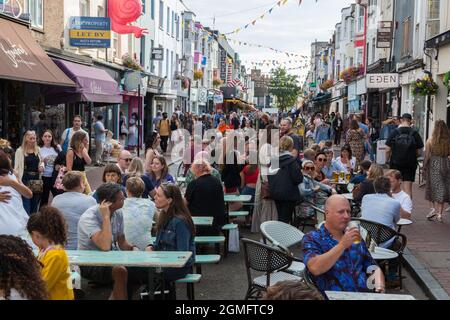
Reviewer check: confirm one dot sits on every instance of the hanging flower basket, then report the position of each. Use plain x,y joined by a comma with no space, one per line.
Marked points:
217,82
129,62
326,85
198,75
185,83
350,74
424,87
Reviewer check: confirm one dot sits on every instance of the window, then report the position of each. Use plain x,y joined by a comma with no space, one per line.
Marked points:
35,9
172,65
168,20
143,6
101,11
406,47
361,19
85,8
167,57
177,63
173,23
160,67
142,58
352,29
178,27
152,10
161,15
152,63
433,21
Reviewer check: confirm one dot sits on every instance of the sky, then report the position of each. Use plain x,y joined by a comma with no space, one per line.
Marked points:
290,28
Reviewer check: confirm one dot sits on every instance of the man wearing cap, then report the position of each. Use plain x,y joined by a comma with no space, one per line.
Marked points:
404,145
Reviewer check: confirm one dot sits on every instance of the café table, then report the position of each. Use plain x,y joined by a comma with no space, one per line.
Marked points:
383,254
151,260
403,222
203,221
338,295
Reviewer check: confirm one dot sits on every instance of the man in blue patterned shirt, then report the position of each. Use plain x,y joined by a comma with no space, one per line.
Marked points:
334,262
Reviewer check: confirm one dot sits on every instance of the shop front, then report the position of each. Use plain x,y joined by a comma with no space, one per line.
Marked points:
26,72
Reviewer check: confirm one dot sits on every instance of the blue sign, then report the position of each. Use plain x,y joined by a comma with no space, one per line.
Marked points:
90,32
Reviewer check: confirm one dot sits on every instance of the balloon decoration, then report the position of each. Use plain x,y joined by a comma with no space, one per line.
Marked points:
123,13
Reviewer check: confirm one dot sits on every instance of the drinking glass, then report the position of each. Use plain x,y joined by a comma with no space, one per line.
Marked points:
353,225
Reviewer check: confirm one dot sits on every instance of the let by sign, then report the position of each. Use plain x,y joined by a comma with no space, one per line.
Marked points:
382,80
90,32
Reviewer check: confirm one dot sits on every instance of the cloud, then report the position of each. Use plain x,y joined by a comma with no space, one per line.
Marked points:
289,28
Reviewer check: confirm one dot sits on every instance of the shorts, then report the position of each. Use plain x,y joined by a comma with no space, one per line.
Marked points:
408,174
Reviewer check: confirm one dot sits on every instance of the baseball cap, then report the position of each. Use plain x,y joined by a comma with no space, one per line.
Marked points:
407,116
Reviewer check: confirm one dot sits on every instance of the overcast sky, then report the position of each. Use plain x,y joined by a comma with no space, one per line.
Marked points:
289,28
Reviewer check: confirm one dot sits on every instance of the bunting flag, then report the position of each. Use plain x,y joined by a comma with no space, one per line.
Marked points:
280,3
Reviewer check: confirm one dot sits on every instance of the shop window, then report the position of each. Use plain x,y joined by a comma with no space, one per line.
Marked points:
433,20
85,10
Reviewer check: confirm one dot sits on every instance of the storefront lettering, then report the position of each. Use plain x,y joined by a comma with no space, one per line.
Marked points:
16,54
11,7
96,88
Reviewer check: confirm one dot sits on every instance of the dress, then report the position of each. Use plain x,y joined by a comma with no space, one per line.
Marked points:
264,210
356,142
438,179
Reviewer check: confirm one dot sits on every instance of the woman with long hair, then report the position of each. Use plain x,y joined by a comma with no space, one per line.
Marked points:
160,172
437,169
356,139
28,166
151,150
78,157
49,152
20,276
366,187
175,230
346,161
136,170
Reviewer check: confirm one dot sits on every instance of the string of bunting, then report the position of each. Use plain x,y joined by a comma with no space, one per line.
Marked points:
261,17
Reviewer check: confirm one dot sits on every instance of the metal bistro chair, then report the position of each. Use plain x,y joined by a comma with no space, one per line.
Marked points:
263,258
285,236
380,234
314,221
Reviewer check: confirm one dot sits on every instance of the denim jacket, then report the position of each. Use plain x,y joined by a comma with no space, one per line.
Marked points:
175,236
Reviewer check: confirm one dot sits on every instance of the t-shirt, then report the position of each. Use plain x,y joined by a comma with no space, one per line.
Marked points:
383,209
405,200
70,134
13,217
56,273
391,144
91,222
138,220
72,205
164,127
99,129
344,166
48,156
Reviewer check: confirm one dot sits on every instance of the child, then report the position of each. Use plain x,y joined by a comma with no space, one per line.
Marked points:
48,231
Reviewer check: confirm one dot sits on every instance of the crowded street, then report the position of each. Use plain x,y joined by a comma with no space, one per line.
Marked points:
165,150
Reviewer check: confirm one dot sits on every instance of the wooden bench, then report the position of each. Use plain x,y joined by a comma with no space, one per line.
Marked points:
205,259
190,280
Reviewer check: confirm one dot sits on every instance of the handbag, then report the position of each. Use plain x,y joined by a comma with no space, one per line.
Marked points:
58,182
36,186
265,189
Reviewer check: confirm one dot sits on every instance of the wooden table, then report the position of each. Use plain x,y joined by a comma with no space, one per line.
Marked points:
142,259
337,295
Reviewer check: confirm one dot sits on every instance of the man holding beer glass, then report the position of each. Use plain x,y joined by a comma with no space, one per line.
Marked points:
335,255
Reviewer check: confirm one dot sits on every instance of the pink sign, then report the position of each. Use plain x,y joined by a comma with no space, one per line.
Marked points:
123,13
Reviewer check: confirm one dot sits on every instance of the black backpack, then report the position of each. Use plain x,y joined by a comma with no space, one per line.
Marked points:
404,149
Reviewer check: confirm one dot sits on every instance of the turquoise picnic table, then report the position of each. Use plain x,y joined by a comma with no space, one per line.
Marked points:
203,221
142,259
237,198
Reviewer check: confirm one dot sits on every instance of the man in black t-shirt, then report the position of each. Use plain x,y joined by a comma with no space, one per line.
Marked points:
404,145
286,130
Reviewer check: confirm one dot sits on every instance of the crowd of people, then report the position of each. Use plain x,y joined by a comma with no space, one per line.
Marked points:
286,175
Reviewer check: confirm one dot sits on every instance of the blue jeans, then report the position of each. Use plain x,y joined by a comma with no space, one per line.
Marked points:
369,150
30,205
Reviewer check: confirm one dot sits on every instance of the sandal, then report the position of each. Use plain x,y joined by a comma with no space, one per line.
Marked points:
439,219
432,214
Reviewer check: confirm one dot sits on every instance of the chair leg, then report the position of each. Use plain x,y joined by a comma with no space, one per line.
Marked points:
400,271
198,269
227,240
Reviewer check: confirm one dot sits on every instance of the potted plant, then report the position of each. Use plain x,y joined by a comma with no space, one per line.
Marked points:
198,75
350,74
326,85
424,87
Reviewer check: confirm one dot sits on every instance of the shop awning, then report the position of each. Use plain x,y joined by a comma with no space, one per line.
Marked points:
93,85
22,59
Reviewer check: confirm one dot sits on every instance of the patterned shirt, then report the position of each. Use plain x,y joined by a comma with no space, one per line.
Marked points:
349,272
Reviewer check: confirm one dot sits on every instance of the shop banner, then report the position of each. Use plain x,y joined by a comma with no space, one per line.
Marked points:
90,32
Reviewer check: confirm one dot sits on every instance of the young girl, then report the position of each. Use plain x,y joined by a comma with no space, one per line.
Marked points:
48,231
20,277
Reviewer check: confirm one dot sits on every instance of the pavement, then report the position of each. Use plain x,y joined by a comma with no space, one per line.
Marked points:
427,258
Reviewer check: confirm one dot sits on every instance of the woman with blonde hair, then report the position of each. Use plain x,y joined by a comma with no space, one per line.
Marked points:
437,169
136,170
28,167
366,187
78,157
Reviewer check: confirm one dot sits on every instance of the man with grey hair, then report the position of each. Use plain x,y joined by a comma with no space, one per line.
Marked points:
286,130
335,255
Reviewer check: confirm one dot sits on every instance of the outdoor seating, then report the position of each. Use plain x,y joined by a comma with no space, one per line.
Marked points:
201,259
269,260
190,280
380,233
285,237
314,221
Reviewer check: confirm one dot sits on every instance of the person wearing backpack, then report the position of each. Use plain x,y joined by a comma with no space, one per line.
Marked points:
284,182
404,145
164,131
68,133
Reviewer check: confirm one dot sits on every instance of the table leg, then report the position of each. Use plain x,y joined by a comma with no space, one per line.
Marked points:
151,283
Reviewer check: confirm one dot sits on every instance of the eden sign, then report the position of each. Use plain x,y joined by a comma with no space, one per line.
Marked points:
382,80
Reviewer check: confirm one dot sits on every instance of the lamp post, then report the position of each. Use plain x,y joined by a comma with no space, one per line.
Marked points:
183,63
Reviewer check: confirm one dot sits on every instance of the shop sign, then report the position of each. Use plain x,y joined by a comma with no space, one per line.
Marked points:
194,95
203,96
223,65
90,32
382,80
158,54
384,34
218,98
16,54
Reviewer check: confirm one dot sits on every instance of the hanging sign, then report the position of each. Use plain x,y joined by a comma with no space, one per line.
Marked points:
382,80
384,34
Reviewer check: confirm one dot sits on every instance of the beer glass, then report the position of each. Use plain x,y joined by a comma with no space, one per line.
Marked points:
348,177
342,176
353,225
335,176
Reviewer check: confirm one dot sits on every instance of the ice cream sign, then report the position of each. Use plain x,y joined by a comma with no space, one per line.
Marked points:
90,32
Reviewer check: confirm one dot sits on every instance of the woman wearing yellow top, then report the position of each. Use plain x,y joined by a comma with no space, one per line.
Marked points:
48,231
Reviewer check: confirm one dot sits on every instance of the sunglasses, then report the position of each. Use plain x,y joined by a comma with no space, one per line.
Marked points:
310,168
127,160
322,159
